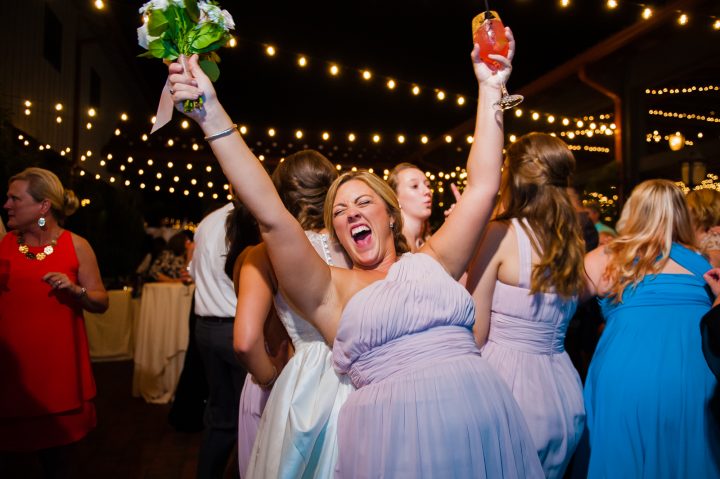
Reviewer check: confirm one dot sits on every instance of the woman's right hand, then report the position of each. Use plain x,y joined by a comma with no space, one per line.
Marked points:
191,84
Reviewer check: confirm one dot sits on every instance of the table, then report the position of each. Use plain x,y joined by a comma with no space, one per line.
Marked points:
110,334
161,340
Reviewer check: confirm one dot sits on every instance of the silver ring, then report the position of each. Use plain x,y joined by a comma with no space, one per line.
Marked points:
172,92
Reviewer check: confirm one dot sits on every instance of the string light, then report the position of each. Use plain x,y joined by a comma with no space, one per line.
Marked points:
611,4
366,74
647,13
684,116
391,84
683,90
334,70
683,19
302,61
270,50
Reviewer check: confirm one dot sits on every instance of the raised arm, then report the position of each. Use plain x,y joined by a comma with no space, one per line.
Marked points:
454,243
289,249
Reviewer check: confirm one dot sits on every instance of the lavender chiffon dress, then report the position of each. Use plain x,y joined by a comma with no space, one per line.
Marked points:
427,405
526,346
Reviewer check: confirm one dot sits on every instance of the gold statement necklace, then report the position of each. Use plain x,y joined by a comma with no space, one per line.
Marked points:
25,251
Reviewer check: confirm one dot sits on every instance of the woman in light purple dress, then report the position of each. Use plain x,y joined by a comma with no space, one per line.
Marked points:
427,405
525,280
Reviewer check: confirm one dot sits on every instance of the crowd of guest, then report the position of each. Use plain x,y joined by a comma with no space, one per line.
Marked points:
342,337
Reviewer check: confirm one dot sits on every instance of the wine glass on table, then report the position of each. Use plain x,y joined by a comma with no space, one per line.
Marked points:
489,34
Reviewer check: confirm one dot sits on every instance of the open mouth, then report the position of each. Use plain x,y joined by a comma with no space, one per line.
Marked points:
361,234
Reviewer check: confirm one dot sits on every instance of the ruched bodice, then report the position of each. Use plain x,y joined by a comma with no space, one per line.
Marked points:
534,323
526,345
427,404
384,326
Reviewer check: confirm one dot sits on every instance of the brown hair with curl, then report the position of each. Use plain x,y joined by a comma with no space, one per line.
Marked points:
302,181
704,207
539,170
383,190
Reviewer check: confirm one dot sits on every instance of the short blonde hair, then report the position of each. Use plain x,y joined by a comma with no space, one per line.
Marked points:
655,216
45,185
704,207
385,193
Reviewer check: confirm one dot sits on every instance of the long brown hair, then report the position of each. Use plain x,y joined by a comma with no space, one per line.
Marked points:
302,181
384,191
654,217
540,168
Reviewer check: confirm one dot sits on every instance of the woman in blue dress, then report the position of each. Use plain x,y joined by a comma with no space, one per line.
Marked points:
648,386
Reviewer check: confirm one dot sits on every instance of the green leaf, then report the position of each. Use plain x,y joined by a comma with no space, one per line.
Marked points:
209,37
211,69
156,48
171,50
157,23
147,55
192,10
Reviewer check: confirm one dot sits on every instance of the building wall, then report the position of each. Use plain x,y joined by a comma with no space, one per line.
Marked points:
87,36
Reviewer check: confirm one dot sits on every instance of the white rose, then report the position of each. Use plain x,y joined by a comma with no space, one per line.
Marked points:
229,22
142,34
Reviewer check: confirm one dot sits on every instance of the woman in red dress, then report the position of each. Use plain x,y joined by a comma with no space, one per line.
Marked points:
48,275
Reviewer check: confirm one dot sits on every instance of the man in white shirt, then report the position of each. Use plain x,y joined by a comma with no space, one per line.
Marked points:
215,302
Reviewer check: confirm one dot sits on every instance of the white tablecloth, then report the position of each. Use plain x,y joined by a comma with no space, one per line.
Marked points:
110,334
161,339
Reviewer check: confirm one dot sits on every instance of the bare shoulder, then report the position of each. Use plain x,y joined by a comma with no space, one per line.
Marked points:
596,262
82,246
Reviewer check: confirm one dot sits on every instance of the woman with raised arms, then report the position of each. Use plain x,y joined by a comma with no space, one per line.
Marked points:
427,404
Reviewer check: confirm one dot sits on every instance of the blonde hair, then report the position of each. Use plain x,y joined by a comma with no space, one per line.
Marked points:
704,208
654,217
385,193
45,185
540,168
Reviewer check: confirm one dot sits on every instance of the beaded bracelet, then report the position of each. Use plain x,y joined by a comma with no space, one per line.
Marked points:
220,134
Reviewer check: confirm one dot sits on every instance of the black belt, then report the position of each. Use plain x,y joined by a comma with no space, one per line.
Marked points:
217,319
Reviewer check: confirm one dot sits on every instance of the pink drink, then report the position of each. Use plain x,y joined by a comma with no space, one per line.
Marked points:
489,33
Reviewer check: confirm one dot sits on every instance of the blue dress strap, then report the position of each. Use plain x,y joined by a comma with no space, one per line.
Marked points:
689,259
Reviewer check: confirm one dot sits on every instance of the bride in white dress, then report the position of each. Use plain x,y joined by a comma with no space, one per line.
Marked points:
296,435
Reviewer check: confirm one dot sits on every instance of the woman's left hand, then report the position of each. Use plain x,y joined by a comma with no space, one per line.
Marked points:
484,74
60,282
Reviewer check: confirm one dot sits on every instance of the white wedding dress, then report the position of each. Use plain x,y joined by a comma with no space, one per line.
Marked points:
297,433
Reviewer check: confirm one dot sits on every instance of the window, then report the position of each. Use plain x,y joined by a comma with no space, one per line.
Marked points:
52,42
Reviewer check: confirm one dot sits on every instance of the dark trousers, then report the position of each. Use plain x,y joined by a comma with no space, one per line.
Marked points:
225,377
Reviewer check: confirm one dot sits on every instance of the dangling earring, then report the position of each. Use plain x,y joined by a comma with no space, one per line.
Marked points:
41,222
392,226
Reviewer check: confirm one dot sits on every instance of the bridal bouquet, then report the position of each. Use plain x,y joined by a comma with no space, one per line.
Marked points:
175,29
